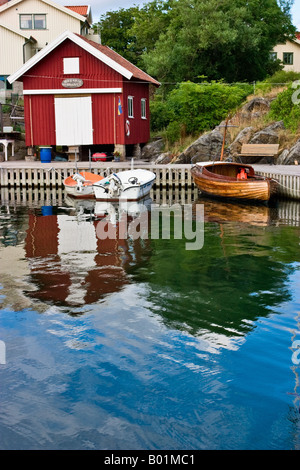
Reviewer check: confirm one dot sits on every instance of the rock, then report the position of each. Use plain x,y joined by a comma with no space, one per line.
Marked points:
152,150
265,136
276,126
207,147
281,159
164,158
243,137
293,155
257,106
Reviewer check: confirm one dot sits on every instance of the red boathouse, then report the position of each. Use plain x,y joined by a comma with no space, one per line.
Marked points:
83,94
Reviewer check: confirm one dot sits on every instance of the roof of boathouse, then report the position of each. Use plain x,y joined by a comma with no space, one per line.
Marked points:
103,53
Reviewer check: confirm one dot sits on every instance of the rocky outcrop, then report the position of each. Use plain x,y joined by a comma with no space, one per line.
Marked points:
258,106
243,137
164,158
269,135
152,150
290,157
207,147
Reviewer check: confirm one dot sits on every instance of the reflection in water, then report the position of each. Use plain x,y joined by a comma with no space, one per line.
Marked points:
69,263
141,343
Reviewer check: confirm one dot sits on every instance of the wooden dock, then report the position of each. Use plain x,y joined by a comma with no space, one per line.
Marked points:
37,175
288,177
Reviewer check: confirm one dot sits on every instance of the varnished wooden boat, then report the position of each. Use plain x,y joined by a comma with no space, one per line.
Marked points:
220,179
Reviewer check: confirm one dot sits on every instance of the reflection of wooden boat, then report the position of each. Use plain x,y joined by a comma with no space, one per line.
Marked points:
221,179
80,185
243,213
130,185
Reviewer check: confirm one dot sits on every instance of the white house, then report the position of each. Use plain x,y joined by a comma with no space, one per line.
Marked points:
289,54
27,26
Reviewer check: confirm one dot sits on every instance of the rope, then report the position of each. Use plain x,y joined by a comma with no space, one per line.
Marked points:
287,187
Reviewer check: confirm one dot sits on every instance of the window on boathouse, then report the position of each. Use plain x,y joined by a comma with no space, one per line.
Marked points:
71,65
130,106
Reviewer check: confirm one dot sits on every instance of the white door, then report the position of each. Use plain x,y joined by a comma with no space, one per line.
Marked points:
73,120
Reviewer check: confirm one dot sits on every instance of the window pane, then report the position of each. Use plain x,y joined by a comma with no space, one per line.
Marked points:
39,21
288,58
143,108
26,21
130,106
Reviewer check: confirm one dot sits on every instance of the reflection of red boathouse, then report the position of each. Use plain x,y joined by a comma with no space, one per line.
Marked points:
69,265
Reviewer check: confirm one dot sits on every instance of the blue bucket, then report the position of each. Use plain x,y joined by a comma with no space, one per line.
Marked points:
45,154
47,210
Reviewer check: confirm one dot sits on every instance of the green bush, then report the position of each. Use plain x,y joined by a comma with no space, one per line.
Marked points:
197,107
173,132
280,78
160,114
286,107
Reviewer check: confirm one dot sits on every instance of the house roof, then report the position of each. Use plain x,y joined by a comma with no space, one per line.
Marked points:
103,53
9,4
82,10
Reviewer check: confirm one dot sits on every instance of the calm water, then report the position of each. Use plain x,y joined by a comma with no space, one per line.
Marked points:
141,344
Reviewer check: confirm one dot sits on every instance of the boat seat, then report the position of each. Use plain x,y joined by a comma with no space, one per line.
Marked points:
258,150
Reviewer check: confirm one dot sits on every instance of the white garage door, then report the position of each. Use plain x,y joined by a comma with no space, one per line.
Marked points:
73,120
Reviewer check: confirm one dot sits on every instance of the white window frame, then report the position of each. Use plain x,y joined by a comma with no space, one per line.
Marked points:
33,18
71,65
130,106
143,108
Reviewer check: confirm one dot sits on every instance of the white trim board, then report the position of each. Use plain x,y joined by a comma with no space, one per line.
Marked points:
81,43
72,91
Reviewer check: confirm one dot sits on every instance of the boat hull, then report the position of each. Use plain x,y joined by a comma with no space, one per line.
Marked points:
80,193
254,188
128,191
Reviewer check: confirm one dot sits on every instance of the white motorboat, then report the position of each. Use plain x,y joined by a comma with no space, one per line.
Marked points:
129,185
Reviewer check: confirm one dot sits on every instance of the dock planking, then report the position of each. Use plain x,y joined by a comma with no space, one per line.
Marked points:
30,175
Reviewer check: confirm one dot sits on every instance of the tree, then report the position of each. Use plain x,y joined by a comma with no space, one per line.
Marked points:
229,39
150,21
115,29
